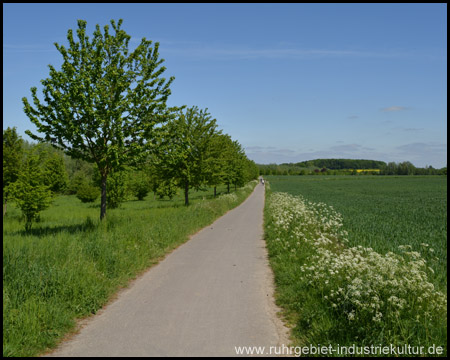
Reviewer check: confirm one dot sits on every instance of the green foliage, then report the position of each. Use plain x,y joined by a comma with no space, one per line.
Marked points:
55,175
227,162
53,166
235,163
12,160
403,168
29,192
139,184
251,170
116,186
338,164
79,171
12,155
103,104
347,167
78,179
141,191
165,187
87,193
216,161
182,150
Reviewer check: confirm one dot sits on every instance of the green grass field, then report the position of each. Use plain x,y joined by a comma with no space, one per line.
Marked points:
360,259
70,265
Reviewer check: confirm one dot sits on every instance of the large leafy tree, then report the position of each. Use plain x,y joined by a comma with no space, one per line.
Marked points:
228,164
104,103
220,153
233,162
12,159
183,149
251,170
237,165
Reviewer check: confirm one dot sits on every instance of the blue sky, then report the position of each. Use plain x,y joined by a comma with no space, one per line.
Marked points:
290,82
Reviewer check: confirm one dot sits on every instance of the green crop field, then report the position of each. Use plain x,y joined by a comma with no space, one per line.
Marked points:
70,264
360,259
383,212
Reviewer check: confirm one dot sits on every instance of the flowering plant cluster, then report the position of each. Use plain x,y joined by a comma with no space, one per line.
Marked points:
232,197
365,289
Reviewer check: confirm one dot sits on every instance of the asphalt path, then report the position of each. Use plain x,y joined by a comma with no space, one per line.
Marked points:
212,294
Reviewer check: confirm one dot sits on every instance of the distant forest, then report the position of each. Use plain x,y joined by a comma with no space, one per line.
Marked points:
339,164
348,167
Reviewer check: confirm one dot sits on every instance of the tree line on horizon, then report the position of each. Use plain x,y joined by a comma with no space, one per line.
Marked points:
348,167
106,109
339,164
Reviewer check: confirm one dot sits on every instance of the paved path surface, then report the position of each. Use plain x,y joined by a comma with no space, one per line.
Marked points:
211,294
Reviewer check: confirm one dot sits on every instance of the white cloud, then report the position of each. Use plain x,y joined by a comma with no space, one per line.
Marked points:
409,129
394,108
346,148
422,154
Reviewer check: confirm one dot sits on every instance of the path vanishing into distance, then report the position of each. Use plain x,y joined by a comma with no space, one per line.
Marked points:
210,295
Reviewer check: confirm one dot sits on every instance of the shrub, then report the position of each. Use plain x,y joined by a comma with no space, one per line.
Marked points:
87,192
167,187
116,185
139,186
29,192
141,192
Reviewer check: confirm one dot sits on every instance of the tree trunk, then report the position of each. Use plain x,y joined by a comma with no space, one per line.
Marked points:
228,187
215,193
186,193
103,198
4,205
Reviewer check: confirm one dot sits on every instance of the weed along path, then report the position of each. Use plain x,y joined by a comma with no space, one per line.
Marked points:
209,296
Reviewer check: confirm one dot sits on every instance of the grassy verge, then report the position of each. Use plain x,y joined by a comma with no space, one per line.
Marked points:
70,265
338,295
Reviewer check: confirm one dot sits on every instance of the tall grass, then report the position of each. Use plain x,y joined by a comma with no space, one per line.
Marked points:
338,293
70,264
